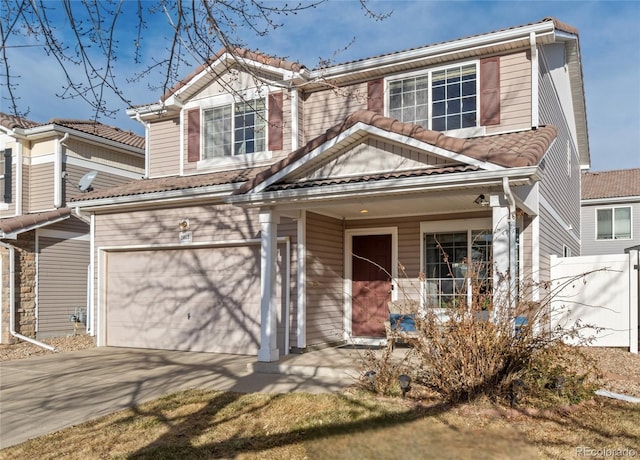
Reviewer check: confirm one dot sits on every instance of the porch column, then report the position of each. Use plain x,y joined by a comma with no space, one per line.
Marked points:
501,283
269,221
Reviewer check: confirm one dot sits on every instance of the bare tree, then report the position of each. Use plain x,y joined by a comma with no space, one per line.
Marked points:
84,38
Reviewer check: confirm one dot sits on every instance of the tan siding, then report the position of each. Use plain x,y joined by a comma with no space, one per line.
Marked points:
25,187
103,180
207,223
515,92
42,147
526,241
73,224
164,148
41,187
62,284
289,228
324,109
325,274
104,156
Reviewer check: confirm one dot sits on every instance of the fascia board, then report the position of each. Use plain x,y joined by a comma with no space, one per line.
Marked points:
610,201
221,65
372,130
173,196
13,235
444,48
516,176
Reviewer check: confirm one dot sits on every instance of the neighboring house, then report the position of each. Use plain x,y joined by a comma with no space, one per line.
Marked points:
43,244
269,192
610,211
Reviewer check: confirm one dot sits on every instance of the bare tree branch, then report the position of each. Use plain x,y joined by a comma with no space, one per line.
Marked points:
83,39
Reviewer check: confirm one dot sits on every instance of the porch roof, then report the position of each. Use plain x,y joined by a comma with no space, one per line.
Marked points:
169,184
510,150
13,226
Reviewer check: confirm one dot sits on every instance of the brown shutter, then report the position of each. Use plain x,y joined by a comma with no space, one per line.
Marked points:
375,96
193,135
490,91
275,121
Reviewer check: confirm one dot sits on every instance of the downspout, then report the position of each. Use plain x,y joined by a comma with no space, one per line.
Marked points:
12,299
57,172
146,144
535,102
512,241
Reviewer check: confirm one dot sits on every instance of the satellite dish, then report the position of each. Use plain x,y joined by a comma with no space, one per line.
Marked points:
84,185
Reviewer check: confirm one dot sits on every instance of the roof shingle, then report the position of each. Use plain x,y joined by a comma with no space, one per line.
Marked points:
611,184
525,148
95,128
25,221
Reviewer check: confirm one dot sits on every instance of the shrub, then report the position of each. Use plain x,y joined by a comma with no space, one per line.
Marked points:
497,348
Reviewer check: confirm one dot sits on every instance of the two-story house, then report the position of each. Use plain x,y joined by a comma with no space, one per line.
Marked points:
284,207
44,247
610,220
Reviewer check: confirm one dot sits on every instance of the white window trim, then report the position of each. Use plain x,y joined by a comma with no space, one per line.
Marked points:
456,225
474,131
234,161
613,217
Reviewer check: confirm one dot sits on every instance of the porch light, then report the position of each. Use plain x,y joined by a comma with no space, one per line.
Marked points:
183,225
481,200
405,384
364,211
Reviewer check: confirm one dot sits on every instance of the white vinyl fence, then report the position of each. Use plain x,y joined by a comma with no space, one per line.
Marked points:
601,291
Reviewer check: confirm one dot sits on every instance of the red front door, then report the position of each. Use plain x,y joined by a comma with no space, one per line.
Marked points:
371,285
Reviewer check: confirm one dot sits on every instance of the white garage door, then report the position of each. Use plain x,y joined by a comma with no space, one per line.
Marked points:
205,299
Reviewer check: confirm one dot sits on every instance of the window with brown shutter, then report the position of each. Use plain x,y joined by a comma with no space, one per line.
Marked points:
193,135
490,91
375,96
275,121
5,175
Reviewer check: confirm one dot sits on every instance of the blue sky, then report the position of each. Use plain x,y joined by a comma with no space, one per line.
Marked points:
609,40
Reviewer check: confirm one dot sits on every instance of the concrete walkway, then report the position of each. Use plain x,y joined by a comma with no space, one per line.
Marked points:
46,394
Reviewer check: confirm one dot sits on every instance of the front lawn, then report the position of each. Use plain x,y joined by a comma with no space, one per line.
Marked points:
200,424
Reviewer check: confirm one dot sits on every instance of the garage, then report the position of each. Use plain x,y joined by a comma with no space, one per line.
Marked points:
193,299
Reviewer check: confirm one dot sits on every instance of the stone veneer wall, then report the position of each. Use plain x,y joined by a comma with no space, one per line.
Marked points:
25,288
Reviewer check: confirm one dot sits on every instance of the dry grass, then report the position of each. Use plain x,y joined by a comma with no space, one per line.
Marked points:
205,424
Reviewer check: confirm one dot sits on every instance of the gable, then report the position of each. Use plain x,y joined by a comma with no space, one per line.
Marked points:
371,156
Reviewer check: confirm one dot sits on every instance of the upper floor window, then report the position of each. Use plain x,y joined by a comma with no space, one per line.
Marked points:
234,129
613,223
441,100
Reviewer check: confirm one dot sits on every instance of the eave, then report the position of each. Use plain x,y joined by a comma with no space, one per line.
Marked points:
389,187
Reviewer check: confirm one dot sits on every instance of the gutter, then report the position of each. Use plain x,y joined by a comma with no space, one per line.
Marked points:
12,300
146,144
387,187
192,195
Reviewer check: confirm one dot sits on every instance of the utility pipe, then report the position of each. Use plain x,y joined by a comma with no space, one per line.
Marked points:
12,299
146,142
512,240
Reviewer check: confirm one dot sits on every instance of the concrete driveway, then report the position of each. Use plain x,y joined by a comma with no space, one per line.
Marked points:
45,394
